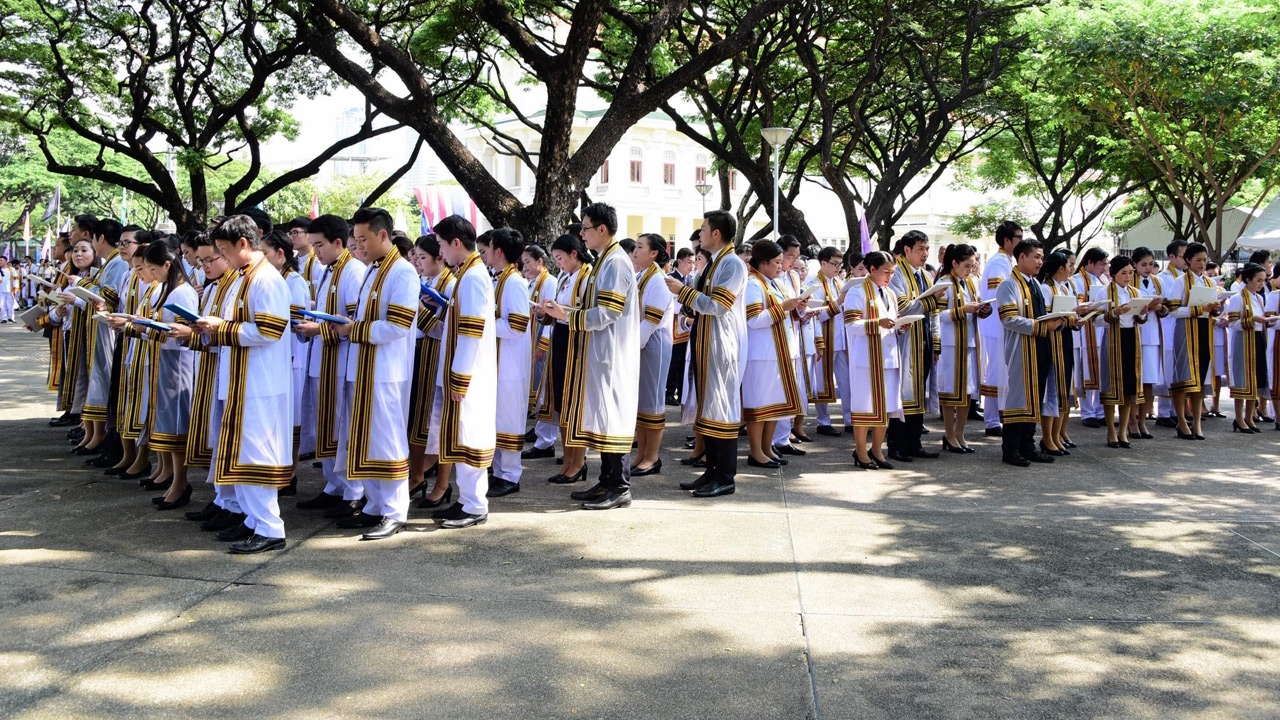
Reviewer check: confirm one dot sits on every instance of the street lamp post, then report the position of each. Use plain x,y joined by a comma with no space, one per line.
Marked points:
776,136
703,189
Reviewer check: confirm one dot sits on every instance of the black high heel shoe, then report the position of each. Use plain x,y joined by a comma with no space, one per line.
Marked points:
158,486
562,479
143,473
429,503
1068,444
1045,449
1235,428
771,465
183,499
881,463
957,449
699,461
654,469
864,465
1185,436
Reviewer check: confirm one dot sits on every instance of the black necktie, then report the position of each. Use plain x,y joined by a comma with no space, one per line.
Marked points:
1037,299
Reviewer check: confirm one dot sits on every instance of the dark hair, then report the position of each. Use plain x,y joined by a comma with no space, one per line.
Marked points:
811,251
1251,269
456,227
429,244
277,240
159,253
1005,231
957,253
763,251
299,223
1024,247
875,259
536,252
233,228
1052,264
1118,263
1211,265
658,244
572,244
377,219
724,222
575,229
1259,256
786,242
852,259
260,218
628,245
910,240
507,241
827,254
87,223
683,253
602,214
1140,253
199,240
109,230
190,238
333,228
1093,255
704,254
1195,249
1175,248
402,243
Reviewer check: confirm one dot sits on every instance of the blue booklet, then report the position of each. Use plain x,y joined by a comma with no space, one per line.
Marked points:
181,312
325,317
152,324
436,297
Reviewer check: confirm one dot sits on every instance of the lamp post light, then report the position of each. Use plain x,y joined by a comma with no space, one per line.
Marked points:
703,188
776,136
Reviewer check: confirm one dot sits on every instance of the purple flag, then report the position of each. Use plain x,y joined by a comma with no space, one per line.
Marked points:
864,235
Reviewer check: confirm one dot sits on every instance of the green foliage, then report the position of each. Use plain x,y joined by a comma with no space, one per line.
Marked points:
981,220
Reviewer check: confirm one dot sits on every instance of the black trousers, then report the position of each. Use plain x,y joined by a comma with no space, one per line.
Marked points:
1020,438
904,435
722,459
615,471
675,373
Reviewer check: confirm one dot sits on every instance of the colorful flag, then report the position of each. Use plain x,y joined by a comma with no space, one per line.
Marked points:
47,246
864,235
54,207
26,226
315,205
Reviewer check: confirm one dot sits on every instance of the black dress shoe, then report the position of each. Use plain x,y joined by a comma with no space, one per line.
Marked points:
900,457
1091,423
531,436
771,465
85,450
559,479
383,530
994,432
926,454
65,420
256,544
864,465
698,462
1040,457
924,430
205,513
102,461
76,434
1047,451
788,450
882,464
957,449
427,502
610,500
224,520
499,488
233,534
654,469
690,444
289,490
801,437
452,512
323,501
698,482
467,520
1016,460
306,457
780,460
182,500
144,472
112,471
344,509
158,486
828,431
536,453
359,520
595,492
715,489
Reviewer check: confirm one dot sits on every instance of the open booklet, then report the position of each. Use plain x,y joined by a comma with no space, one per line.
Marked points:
1202,296
1058,315
31,316
906,320
86,295
1067,303
1137,305
934,289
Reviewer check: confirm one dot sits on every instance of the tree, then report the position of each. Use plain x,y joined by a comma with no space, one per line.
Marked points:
430,62
179,87
1192,86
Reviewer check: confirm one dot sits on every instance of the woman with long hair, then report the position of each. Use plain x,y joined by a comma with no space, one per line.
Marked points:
770,389
648,257
542,286
1055,277
1120,362
870,313
1247,324
424,429
75,315
573,259
278,249
1188,355
958,372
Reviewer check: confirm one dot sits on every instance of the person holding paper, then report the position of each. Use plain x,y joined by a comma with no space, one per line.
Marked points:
1120,380
75,314
870,312
51,324
1263,258
1189,355
996,270
958,377
1172,273
511,331
278,249
831,364
1151,333
918,347
542,286
647,259
128,418
424,430
1087,279
102,345
1055,279
1021,303
789,284
770,389
574,261
1247,323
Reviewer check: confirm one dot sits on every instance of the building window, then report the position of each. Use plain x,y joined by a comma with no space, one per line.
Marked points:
604,173
637,174
700,175
733,179
669,174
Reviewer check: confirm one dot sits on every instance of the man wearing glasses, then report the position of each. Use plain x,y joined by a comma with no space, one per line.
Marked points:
997,269
831,367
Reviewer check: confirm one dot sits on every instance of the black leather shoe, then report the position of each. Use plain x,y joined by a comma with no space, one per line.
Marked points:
85,450
1091,423
1016,460
536,453
306,457
499,487
112,471
144,472
698,482
788,450
654,469
256,544
323,501
383,530
580,476
344,509
102,461
158,486
64,420
900,457
1040,457
531,436
882,464
427,502
452,512
994,432
698,462
780,460
771,465
801,437
467,520
289,490
224,520
827,430
234,534
926,454
715,490
359,520
611,499
595,492
205,513
182,500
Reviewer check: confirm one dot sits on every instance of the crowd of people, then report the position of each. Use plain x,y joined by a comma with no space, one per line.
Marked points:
405,367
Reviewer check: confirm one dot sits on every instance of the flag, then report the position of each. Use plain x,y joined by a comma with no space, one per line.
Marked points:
55,205
315,205
124,206
26,226
47,246
864,235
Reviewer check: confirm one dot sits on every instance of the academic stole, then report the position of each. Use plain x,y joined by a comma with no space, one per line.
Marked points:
1090,350
81,338
826,343
359,465
960,320
879,416
330,343
1115,393
1189,323
916,331
781,350
1249,389
1030,360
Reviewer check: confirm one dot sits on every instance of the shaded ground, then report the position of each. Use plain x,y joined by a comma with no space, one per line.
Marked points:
1139,584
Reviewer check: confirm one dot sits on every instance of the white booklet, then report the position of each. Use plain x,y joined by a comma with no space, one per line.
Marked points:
1137,305
906,320
86,295
1063,303
935,289
1057,315
1202,295
31,316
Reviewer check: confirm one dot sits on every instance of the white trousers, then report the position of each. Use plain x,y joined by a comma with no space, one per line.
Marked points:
262,509
387,498
841,363
6,306
307,441
991,412
1090,404
506,465
336,482
546,430
473,483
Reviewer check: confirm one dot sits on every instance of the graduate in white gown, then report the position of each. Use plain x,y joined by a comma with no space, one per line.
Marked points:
995,270
1120,379
511,331
831,357
424,430
1189,348
959,339
1247,323
279,251
870,314
648,257
1151,335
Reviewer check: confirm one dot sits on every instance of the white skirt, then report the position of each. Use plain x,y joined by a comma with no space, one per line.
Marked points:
764,394
861,400
1152,367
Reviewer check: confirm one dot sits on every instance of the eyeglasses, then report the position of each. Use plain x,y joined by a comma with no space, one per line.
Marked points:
297,231
206,262
589,227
